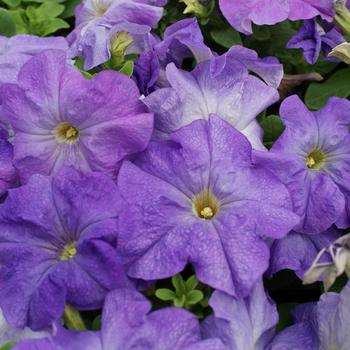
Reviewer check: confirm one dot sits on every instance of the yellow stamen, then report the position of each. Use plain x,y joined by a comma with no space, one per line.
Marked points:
205,205
66,133
316,159
207,213
71,132
310,161
69,251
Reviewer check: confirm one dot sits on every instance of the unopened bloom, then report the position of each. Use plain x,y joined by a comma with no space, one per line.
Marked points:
297,251
197,199
58,245
312,38
312,157
97,22
61,118
128,324
330,263
242,13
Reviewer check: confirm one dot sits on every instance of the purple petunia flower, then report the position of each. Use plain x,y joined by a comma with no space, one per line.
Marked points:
8,174
247,324
57,246
182,40
242,13
17,50
127,324
297,251
223,87
312,157
320,326
197,199
61,118
312,38
98,21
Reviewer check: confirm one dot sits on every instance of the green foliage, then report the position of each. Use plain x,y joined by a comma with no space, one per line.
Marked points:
273,128
226,37
43,18
36,17
185,295
7,23
338,84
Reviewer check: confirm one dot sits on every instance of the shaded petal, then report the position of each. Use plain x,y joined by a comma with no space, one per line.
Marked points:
298,337
244,323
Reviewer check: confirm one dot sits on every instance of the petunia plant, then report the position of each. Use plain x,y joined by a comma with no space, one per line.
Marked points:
174,175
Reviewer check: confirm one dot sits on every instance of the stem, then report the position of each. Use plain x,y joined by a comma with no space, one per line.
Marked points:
72,319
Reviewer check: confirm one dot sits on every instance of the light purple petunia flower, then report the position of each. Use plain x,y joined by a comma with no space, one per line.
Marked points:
184,39
222,86
197,199
17,50
312,38
312,157
58,245
297,251
242,13
61,118
247,323
8,174
128,324
320,326
98,22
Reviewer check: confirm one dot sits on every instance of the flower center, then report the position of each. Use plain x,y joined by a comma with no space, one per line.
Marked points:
205,205
316,159
69,251
66,133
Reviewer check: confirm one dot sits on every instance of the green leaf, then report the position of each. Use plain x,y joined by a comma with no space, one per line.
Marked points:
273,128
12,3
165,294
194,297
191,283
53,25
7,346
178,284
226,37
70,6
7,23
127,68
48,9
338,84
180,301
261,32
19,17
